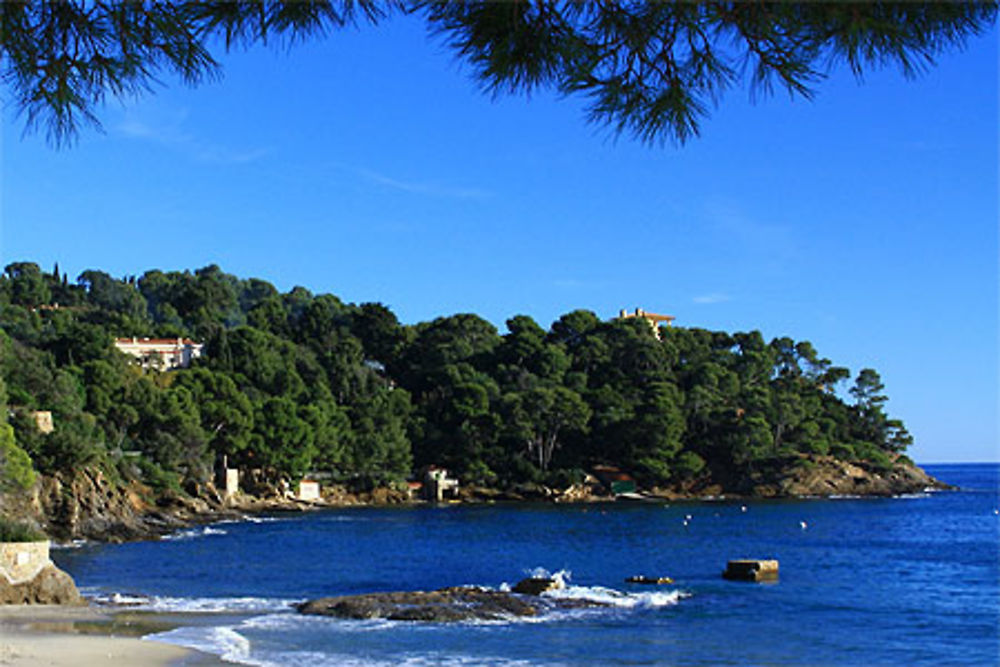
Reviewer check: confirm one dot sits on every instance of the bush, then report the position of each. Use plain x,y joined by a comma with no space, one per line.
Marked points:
807,464
843,452
820,447
688,464
16,471
17,531
564,477
873,455
157,478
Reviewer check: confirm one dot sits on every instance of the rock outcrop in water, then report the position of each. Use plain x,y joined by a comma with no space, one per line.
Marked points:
808,476
827,476
460,603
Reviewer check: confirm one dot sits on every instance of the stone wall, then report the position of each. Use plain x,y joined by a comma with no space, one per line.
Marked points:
22,561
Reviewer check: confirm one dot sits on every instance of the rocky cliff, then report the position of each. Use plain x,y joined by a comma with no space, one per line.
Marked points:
88,504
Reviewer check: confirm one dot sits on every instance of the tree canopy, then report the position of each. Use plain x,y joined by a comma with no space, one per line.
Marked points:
652,70
299,383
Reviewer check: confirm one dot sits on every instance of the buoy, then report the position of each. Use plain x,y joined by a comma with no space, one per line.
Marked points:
743,508
803,525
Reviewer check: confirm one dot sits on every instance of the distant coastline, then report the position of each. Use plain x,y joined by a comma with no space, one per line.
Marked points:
130,406
104,511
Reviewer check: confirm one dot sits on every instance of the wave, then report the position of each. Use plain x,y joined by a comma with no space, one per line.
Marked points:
602,594
268,638
74,544
192,533
236,605
231,644
223,641
249,519
616,598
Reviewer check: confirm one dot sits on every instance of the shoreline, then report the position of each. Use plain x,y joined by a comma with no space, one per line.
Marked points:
289,508
104,512
86,636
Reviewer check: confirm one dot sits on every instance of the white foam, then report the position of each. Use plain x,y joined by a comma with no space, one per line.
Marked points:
192,533
122,600
75,544
248,519
602,594
616,598
561,577
430,659
237,605
223,641
231,645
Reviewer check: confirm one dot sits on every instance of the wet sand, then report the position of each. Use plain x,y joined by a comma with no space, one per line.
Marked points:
33,635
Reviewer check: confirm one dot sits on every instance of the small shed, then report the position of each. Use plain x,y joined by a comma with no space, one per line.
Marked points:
438,485
227,479
43,421
616,481
308,490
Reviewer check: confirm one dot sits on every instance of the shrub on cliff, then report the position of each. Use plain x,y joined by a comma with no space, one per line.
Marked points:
16,531
16,472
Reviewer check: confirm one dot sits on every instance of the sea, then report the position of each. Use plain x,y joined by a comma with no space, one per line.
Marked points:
910,580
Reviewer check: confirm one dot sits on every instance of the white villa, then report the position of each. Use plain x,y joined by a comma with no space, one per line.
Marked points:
161,353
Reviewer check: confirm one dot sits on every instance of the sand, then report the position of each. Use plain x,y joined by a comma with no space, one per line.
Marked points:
33,635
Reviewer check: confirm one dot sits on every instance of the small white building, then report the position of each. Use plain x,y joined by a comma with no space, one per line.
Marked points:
161,353
308,490
43,420
438,485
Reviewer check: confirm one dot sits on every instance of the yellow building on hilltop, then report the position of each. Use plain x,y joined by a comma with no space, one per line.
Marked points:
653,319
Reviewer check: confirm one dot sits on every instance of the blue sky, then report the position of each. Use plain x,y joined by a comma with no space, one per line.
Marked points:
370,166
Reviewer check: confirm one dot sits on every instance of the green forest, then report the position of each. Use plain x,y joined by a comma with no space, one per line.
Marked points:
295,383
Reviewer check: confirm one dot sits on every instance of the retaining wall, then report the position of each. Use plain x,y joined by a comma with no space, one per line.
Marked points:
22,561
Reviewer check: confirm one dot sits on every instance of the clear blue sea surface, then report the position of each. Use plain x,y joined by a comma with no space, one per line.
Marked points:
894,581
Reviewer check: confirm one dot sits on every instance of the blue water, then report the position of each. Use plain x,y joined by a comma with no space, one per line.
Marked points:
900,581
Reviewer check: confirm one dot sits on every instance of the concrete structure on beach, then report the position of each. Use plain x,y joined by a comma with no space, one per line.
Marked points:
438,485
21,562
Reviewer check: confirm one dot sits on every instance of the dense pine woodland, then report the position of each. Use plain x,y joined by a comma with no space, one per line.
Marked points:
300,383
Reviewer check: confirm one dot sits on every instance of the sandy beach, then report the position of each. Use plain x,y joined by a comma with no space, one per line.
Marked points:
33,635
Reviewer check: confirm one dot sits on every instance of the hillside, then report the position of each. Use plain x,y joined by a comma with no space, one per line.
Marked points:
286,384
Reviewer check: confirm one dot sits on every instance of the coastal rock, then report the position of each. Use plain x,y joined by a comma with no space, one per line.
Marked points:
50,586
446,604
751,569
537,585
826,476
813,476
460,603
87,504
